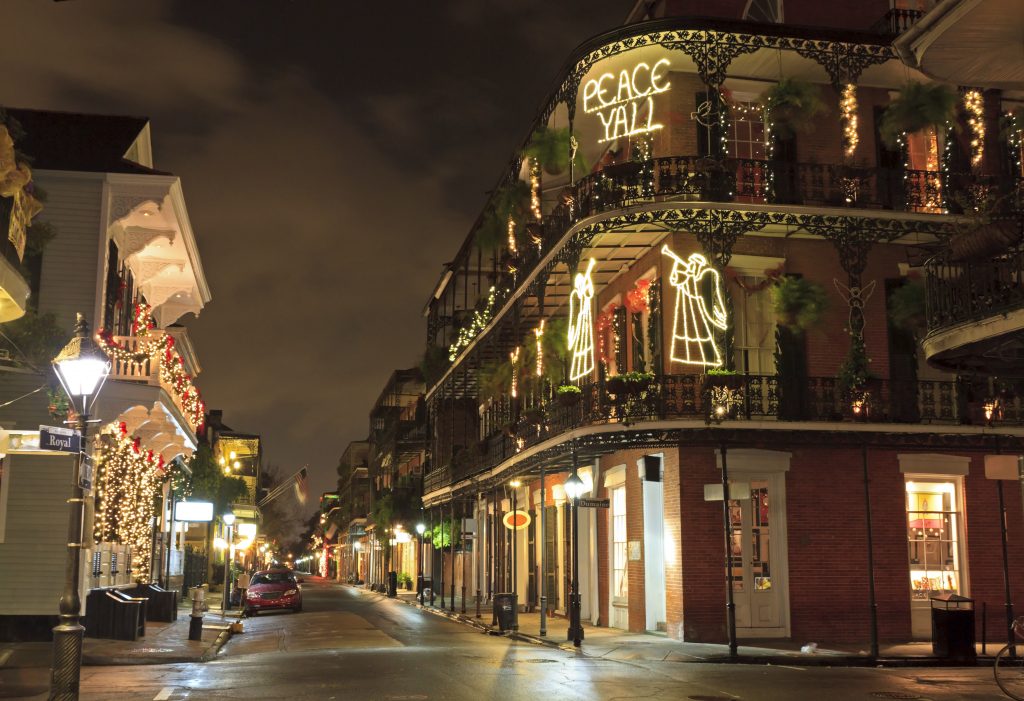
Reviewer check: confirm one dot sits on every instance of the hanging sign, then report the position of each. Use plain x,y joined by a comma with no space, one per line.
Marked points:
516,520
594,503
620,104
193,511
85,472
65,440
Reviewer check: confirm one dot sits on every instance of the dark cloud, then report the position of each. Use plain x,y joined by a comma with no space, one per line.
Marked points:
333,156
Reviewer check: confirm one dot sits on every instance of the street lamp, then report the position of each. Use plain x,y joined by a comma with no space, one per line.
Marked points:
515,484
82,368
229,521
420,530
573,489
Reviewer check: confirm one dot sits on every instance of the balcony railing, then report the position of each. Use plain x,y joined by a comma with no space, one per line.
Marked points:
146,371
961,291
896,21
754,181
745,397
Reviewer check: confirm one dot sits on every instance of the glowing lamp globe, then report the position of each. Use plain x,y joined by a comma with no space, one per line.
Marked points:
573,486
420,528
82,366
228,519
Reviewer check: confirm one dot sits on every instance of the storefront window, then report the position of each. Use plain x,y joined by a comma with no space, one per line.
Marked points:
620,587
933,525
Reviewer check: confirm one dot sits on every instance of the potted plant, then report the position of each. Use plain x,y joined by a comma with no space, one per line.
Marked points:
992,228
722,377
918,107
907,308
791,106
535,415
550,147
568,395
798,303
629,384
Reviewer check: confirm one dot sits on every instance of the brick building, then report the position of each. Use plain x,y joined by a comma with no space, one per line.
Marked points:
700,287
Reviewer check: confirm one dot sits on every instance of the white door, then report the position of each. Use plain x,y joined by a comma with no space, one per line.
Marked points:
619,609
758,585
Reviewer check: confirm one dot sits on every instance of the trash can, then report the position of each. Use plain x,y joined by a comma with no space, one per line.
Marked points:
953,628
392,584
506,611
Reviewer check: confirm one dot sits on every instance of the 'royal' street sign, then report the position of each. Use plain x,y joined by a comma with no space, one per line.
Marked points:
64,440
594,503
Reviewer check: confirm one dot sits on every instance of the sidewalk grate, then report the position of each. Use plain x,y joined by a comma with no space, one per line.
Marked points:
908,696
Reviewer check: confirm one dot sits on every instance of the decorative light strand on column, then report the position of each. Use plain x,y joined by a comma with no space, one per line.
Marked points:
539,336
848,108
974,105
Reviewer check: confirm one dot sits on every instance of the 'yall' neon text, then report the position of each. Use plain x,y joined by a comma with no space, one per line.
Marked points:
620,105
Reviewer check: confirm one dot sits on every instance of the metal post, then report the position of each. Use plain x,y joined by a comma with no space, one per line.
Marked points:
515,537
575,625
872,603
465,565
451,602
1006,565
440,521
419,560
492,569
433,585
228,554
730,603
68,634
478,551
543,553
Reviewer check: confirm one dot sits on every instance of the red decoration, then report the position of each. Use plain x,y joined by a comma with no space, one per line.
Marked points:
638,299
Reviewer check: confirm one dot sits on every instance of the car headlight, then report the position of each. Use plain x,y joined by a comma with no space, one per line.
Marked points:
252,594
291,592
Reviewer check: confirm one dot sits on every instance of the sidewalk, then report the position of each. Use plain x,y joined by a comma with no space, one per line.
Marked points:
164,643
612,643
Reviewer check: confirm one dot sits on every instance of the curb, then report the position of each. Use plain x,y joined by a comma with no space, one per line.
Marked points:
208,654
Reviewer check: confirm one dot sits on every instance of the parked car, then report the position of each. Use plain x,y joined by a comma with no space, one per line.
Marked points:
273,589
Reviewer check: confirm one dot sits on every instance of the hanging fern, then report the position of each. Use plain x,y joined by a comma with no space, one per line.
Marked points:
791,106
798,303
550,147
906,308
919,106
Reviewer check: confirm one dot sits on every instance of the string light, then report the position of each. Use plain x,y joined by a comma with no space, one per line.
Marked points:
693,323
514,358
581,327
128,479
511,235
535,209
1014,139
538,334
150,343
848,109
477,323
974,105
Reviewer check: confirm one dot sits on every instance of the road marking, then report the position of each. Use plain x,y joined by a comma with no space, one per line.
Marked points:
786,666
4,656
164,694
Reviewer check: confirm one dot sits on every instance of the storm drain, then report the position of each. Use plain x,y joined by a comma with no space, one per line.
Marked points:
895,695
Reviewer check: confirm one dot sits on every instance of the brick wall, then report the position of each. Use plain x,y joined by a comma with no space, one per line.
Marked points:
673,547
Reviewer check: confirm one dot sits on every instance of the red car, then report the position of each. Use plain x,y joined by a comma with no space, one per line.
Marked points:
273,589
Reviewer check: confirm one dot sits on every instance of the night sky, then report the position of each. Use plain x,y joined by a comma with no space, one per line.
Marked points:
333,156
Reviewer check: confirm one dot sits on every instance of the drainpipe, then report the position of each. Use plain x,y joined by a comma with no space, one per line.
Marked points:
730,603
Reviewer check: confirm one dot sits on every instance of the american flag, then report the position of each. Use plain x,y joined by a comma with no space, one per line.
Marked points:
301,486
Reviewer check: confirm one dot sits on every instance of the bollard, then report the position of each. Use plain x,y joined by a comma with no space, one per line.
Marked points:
195,625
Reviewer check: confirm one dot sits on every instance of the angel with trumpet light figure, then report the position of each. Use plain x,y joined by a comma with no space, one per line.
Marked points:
693,326
581,324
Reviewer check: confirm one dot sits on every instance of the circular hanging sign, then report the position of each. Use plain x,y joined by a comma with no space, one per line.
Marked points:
516,520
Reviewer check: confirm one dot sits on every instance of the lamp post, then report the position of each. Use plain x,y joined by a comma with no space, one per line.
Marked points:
229,521
573,489
82,367
420,528
515,484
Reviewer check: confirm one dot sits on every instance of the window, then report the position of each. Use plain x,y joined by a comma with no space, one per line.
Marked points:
924,182
620,583
933,537
754,336
746,142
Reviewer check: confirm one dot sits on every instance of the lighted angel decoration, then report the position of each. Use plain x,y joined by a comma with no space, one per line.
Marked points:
581,324
693,335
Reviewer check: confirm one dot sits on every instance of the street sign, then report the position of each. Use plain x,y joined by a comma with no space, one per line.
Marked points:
594,503
85,472
64,440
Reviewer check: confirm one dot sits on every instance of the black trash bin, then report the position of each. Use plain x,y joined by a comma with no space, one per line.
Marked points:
953,628
392,584
506,611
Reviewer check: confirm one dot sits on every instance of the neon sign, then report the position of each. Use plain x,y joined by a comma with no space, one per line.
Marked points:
621,111
581,324
693,324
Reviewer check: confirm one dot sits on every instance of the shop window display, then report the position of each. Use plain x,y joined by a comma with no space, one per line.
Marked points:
933,521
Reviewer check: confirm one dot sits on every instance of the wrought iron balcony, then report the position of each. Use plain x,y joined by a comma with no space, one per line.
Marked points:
975,312
896,21
735,398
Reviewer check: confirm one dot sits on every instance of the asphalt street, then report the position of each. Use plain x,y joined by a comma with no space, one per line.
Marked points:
350,644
